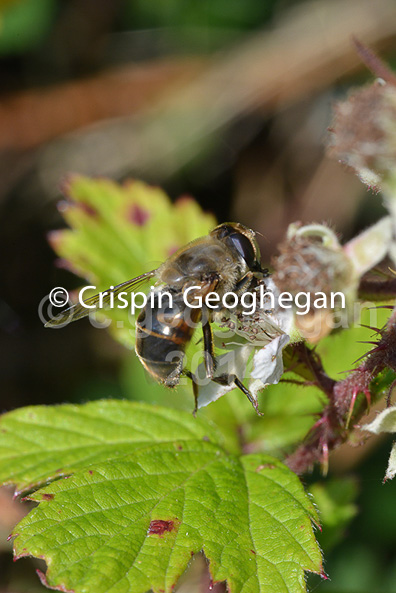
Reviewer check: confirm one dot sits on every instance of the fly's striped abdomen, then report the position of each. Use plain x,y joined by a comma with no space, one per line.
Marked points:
162,334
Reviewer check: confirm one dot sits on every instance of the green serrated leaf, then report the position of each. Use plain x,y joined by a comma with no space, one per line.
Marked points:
133,521
42,443
133,524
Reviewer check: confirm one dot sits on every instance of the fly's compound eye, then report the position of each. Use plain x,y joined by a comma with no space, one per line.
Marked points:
244,247
240,242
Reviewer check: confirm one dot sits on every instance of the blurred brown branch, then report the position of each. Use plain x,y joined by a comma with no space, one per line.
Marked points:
35,117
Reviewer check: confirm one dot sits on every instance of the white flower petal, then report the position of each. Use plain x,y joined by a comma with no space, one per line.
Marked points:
232,362
280,317
391,469
385,421
370,247
268,361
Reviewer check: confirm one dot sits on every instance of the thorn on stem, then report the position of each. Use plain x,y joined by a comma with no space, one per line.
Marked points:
325,459
377,330
373,62
351,406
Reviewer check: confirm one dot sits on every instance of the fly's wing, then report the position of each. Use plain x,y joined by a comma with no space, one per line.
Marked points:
101,300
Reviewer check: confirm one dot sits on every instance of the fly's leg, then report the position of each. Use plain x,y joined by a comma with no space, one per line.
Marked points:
244,283
193,378
210,362
247,280
209,357
229,380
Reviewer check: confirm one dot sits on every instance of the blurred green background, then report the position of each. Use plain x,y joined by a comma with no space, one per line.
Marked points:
224,100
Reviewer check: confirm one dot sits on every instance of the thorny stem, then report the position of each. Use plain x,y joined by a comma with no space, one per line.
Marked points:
332,429
350,141
374,290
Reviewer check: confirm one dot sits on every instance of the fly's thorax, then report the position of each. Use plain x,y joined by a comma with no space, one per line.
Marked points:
201,261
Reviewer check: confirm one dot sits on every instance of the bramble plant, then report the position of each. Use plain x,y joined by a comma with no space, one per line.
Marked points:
127,492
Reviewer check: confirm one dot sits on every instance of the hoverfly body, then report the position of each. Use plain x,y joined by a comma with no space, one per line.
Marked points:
225,260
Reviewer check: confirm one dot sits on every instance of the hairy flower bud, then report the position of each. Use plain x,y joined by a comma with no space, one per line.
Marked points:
312,261
363,134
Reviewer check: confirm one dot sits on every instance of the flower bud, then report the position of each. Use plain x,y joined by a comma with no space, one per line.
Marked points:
363,134
312,261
